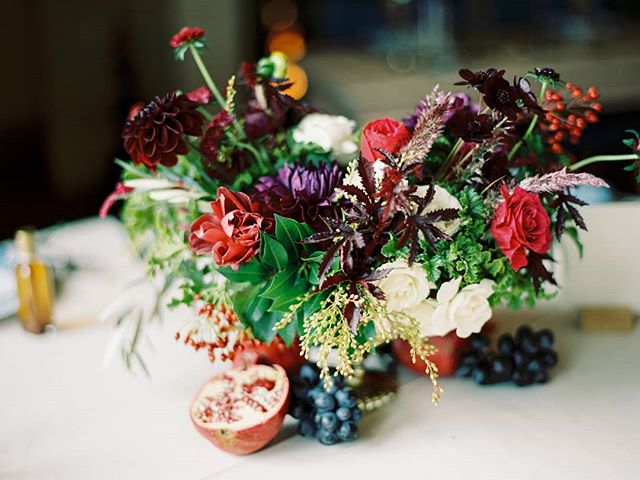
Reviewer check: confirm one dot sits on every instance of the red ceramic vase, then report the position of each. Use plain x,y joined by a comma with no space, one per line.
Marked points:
274,353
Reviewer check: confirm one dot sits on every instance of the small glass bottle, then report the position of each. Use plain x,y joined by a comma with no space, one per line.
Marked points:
34,285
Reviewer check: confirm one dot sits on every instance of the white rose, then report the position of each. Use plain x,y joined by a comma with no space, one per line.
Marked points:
333,133
464,311
423,313
442,199
404,286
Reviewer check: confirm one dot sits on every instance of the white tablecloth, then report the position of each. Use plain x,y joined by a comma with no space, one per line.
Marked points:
62,416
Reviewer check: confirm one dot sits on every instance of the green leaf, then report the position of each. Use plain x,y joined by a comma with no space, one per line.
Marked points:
573,233
288,333
272,253
252,272
281,284
263,327
290,233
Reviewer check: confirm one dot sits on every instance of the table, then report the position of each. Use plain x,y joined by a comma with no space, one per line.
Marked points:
62,416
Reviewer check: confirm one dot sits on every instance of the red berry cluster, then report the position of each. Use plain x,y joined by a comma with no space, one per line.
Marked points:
217,330
569,111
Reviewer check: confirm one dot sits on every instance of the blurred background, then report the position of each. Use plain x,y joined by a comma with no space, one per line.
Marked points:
72,69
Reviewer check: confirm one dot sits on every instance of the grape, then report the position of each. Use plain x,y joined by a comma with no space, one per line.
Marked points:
298,410
506,345
520,358
523,331
549,358
309,374
541,376
535,366
307,428
501,366
478,341
356,414
327,421
528,345
544,338
481,375
346,397
348,431
343,413
521,378
323,401
326,437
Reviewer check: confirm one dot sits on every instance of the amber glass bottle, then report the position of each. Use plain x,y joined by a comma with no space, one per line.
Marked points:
34,285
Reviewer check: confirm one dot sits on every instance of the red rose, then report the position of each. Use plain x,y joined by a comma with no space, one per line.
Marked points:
521,222
185,35
231,234
386,134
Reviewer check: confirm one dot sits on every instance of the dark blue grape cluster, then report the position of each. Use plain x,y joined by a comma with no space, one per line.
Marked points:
330,415
523,359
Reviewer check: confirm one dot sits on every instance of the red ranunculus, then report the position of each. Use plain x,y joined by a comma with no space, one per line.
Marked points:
186,34
521,222
386,134
201,95
231,233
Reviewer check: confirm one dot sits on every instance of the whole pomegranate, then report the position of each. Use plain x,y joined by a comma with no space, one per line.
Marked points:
240,411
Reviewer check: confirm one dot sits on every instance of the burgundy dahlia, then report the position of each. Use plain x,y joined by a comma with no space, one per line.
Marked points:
301,192
186,35
155,134
470,126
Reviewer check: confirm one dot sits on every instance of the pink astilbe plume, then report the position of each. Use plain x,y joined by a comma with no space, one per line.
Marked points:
429,127
560,180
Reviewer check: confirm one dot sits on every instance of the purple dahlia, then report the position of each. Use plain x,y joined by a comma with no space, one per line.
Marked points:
301,192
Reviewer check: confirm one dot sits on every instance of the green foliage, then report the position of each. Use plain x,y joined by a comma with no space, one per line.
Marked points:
283,272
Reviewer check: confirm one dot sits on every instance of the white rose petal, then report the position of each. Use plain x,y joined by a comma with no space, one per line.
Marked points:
332,133
423,313
404,286
442,199
175,195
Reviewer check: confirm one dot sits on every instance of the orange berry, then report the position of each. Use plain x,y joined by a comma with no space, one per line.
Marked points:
560,106
581,123
576,92
597,107
593,92
591,117
556,148
557,97
569,86
559,136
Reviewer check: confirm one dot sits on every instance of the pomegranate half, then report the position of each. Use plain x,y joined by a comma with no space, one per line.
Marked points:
240,411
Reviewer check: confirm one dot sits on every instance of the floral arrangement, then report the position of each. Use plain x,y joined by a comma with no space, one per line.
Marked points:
277,220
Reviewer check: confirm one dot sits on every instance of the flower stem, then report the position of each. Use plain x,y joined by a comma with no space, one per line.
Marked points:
602,158
529,131
207,78
447,161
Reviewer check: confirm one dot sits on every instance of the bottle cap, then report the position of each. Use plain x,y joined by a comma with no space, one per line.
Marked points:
24,241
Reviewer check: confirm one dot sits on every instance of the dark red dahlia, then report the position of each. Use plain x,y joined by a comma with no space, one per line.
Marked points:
470,126
210,143
155,134
186,35
301,192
